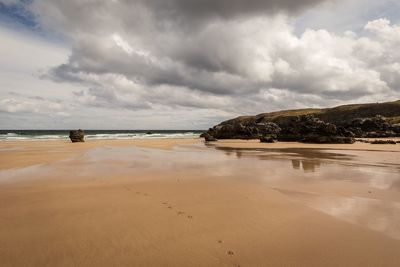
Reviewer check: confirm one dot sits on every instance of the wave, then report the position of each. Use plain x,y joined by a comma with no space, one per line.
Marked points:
98,136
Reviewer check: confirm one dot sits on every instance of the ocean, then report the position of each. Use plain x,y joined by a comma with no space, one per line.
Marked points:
15,135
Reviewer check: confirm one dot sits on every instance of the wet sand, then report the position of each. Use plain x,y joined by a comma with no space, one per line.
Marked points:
180,202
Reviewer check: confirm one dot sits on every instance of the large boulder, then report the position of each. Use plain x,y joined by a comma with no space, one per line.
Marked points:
77,136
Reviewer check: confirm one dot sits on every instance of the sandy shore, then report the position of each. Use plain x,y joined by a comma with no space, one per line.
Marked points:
179,202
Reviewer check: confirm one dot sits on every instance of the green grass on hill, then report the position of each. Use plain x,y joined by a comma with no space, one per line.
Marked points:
337,115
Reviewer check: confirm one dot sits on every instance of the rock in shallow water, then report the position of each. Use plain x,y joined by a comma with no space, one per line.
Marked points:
77,136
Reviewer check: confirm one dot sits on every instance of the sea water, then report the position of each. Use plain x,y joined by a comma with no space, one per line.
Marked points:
15,135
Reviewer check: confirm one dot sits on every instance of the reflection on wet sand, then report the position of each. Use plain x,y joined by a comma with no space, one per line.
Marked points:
251,198
306,165
376,214
268,153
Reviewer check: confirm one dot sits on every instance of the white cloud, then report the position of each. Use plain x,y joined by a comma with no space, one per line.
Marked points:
122,43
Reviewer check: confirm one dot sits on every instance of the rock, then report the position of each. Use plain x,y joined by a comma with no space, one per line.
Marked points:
396,128
354,121
345,132
377,123
340,126
237,130
288,137
268,139
309,129
320,139
267,128
373,127
209,138
307,124
363,141
383,142
381,134
77,136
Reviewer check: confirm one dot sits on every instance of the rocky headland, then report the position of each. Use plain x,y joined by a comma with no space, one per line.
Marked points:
338,125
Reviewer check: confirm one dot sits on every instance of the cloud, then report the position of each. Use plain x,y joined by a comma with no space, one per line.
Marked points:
31,105
214,57
189,10
236,58
26,101
107,98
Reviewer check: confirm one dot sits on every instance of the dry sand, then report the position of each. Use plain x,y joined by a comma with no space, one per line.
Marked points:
179,202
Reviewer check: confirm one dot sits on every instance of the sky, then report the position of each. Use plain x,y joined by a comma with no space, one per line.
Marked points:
190,64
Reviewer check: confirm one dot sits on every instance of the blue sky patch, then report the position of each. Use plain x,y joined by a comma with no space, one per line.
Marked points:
18,14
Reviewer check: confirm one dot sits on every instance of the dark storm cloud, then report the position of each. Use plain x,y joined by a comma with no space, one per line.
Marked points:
226,9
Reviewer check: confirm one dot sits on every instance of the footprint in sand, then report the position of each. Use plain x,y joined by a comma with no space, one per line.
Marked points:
178,212
220,241
138,193
230,253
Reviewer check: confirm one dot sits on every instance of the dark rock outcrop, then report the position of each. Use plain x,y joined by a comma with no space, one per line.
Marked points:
320,139
396,128
383,142
77,136
374,127
305,128
268,139
209,138
363,141
331,125
238,130
309,129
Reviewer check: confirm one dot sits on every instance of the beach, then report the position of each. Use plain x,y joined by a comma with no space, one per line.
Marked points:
183,202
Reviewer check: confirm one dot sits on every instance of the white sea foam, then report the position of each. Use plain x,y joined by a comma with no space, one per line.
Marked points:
98,136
